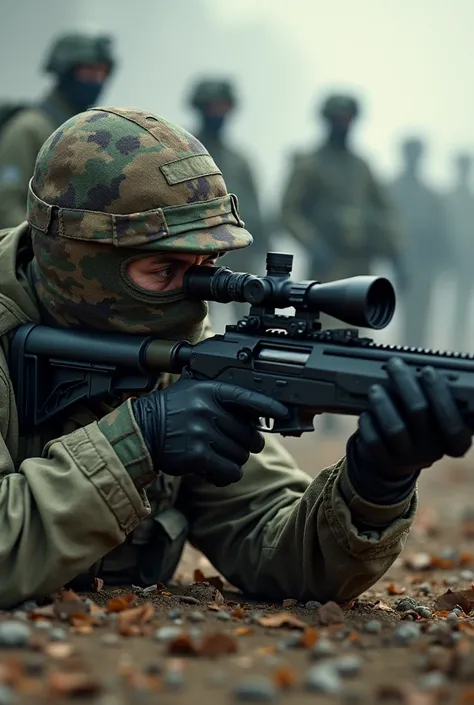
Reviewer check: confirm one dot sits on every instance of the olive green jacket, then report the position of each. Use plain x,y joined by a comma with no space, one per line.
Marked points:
332,197
20,141
69,497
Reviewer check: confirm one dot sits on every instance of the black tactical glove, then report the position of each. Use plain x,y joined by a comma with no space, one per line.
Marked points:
204,428
407,429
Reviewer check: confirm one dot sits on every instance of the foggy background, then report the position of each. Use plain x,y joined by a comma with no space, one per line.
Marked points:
407,60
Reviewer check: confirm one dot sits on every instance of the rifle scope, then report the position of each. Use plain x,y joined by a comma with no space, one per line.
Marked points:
362,301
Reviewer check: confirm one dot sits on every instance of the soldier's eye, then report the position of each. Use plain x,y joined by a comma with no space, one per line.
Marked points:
165,272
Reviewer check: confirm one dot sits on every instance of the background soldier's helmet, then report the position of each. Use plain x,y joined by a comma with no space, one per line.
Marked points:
207,91
340,105
70,50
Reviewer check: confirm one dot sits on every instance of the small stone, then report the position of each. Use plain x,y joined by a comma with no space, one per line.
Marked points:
406,633
424,612
452,618
195,633
348,666
322,649
164,634
257,689
58,634
467,575
178,622
406,604
21,616
255,615
196,617
175,613
272,661
223,616
110,639
14,634
174,679
449,554
373,626
424,588
7,695
451,580
43,624
312,605
457,610
189,600
432,681
323,679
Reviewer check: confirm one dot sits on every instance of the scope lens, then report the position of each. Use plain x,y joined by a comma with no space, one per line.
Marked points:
380,304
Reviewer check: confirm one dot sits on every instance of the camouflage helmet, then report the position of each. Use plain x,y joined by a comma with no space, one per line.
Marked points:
70,50
131,179
206,91
338,105
116,185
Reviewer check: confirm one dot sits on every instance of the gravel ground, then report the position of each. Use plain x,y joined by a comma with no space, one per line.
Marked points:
410,639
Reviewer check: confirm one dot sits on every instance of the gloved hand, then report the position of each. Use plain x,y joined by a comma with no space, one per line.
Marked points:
204,428
407,429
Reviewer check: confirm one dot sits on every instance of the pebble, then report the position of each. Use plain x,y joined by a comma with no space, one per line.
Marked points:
432,681
166,633
323,679
195,633
449,554
457,610
43,624
257,689
373,626
14,633
223,616
424,588
189,600
466,575
348,666
424,612
58,634
196,617
175,613
22,616
405,604
7,695
322,649
451,580
312,605
292,641
452,618
110,639
256,614
272,661
406,633
174,679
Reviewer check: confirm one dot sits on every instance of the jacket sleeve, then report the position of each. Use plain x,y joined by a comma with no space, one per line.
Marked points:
387,237
20,141
278,534
63,511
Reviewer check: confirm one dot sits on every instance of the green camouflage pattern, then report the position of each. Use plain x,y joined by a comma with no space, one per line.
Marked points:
131,179
112,185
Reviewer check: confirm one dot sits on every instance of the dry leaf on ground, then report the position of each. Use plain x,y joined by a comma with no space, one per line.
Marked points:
284,677
282,619
119,604
393,589
213,580
68,684
131,622
217,644
463,598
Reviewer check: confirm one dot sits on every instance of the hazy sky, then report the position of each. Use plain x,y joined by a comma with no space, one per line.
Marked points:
408,60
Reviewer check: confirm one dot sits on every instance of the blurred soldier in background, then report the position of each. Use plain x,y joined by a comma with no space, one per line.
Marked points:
215,101
460,226
333,205
81,63
426,250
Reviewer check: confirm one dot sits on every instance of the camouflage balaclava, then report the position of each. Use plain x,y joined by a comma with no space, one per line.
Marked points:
112,185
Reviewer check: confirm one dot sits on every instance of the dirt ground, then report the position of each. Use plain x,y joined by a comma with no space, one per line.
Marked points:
146,648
